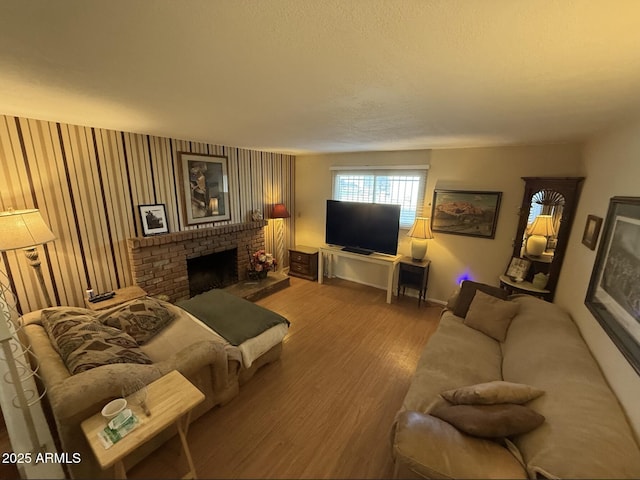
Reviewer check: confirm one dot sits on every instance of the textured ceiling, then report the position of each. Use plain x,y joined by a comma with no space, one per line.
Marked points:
325,75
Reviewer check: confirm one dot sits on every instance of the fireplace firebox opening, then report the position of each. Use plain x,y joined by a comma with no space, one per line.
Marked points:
216,270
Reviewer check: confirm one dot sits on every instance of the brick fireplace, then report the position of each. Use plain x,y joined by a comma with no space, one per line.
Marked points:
159,263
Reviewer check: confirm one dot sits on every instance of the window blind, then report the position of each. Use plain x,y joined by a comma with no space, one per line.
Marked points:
402,186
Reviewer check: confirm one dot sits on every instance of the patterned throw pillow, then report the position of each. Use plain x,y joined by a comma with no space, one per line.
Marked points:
142,318
103,345
84,343
61,323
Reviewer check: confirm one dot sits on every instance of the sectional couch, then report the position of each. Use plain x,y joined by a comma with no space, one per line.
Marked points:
579,428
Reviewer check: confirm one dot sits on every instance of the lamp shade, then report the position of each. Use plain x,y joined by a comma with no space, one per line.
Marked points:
280,211
542,225
421,228
22,229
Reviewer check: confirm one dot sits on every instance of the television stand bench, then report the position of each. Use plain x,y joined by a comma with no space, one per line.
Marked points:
388,261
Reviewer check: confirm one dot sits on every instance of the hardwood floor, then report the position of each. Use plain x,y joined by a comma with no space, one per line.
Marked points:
325,409
7,470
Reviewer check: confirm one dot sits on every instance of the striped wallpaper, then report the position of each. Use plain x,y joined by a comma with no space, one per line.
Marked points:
88,183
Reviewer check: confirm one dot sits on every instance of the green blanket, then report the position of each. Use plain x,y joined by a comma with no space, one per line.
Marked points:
233,318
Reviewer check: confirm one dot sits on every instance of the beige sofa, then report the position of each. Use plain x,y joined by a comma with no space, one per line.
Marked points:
585,433
207,360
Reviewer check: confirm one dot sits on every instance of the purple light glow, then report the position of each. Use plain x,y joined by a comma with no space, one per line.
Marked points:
465,276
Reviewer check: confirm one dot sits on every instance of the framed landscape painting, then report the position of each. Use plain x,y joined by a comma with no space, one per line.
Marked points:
613,296
204,184
462,212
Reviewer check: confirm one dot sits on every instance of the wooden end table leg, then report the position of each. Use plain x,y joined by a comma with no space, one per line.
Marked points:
119,471
183,425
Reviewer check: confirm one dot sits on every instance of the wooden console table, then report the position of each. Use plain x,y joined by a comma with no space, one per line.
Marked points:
122,295
388,261
170,400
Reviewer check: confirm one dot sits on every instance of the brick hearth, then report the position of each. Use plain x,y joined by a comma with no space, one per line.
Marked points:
159,264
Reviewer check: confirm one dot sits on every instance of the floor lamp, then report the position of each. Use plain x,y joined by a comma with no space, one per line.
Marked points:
279,213
22,229
26,229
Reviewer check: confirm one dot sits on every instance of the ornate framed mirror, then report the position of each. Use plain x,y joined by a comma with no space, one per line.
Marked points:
546,215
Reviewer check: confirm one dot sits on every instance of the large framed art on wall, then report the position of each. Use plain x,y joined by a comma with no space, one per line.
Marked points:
462,212
204,183
613,296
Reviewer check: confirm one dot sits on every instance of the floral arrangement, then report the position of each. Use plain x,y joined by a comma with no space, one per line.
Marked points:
260,263
262,260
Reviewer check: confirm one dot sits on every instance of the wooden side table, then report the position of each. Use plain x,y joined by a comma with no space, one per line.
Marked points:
414,274
122,295
303,262
170,400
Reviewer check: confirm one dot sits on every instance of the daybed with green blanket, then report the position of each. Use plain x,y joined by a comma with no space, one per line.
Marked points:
86,357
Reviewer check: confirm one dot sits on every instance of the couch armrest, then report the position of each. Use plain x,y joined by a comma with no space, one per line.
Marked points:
191,359
433,448
84,394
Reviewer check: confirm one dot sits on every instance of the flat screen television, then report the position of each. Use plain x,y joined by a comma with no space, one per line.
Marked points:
363,227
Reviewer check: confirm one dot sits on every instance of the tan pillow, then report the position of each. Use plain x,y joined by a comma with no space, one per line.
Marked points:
460,305
490,421
490,315
491,393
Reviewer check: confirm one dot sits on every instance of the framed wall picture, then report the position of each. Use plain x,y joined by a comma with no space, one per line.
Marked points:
465,212
204,183
613,296
591,231
153,219
518,268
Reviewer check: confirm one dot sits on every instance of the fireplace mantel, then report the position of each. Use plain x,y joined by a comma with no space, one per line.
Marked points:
159,263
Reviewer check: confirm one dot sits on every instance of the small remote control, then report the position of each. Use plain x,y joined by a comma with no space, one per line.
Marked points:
102,297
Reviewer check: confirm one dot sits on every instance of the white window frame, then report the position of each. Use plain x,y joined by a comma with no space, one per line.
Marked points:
407,216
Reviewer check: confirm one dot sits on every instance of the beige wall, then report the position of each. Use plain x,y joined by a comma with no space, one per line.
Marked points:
493,169
612,168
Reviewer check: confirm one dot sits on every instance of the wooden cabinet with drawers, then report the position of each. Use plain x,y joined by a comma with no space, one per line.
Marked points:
303,262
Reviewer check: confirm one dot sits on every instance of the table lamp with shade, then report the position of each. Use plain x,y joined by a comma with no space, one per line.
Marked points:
420,232
539,232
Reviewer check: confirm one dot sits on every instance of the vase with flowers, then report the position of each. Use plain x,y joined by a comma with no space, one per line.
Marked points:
260,263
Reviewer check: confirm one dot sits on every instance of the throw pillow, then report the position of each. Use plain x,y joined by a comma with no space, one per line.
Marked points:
60,323
142,318
467,292
490,421
99,345
490,393
84,343
490,315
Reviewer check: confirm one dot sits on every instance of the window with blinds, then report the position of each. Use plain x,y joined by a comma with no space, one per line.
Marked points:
398,186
